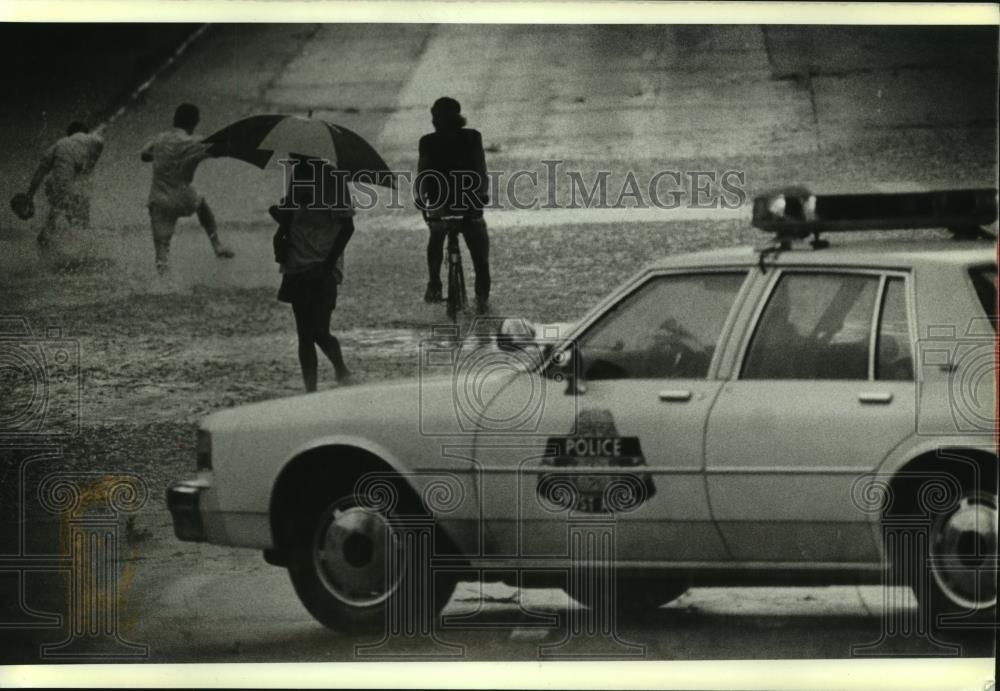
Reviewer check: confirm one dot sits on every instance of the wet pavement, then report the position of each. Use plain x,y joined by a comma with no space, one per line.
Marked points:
897,107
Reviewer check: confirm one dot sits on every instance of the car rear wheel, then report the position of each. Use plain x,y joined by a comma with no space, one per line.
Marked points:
340,567
948,548
961,572
633,594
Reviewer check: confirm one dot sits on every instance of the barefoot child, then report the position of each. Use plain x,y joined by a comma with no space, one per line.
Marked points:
175,155
317,215
66,168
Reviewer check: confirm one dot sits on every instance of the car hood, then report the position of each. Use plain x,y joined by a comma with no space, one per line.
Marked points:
437,405
453,390
361,400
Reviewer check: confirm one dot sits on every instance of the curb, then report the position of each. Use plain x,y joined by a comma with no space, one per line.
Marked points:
140,91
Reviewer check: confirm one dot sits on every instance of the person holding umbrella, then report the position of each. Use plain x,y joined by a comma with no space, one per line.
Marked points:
315,218
175,155
315,224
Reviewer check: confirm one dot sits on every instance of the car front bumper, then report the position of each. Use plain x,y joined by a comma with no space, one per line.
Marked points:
184,503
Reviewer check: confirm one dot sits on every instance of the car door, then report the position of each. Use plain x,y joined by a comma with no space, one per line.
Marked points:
623,443
822,392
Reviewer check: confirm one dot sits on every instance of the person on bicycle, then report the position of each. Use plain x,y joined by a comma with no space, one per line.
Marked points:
452,182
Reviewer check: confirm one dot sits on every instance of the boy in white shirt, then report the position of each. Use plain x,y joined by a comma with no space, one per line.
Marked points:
175,155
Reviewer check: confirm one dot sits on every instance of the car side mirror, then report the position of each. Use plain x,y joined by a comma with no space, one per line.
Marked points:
561,358
566,365
516,334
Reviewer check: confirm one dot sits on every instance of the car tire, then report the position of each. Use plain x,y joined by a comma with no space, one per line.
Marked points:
338,567
633,594
967,534
964,537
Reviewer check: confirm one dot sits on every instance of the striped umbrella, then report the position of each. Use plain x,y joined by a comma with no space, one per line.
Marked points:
257,138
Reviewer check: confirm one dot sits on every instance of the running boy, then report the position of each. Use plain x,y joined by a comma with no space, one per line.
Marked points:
175,155
66,168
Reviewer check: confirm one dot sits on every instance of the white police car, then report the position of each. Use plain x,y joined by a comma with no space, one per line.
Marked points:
780,414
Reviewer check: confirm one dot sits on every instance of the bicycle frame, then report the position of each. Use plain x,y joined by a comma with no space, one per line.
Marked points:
457,299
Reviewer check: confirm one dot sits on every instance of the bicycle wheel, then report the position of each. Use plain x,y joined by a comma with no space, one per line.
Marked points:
457,298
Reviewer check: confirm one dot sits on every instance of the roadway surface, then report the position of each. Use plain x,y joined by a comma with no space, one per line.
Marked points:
838,108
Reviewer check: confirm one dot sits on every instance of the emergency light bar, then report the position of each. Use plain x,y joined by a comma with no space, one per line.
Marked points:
796,213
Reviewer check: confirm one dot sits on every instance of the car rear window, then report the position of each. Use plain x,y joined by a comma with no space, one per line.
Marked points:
984,280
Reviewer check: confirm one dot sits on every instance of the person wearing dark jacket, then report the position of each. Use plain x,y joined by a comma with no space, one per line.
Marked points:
451,181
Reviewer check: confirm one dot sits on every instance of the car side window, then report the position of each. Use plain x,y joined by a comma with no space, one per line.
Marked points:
814,326
984,280
894,356
668,328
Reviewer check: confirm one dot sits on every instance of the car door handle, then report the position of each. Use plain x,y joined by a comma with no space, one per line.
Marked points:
676,395
882,397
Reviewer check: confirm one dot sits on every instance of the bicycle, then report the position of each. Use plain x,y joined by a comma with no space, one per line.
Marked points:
457,299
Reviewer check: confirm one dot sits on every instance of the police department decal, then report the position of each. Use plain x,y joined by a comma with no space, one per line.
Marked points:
596,445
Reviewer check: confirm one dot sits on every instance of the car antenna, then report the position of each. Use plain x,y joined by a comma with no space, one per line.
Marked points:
763,252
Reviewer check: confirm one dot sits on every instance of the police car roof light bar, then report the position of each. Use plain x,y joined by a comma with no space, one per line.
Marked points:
796,213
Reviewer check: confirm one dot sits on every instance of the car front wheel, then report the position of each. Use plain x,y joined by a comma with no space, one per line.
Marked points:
347,567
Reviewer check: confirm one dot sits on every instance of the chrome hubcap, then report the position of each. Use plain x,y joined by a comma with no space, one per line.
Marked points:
964,553
349,554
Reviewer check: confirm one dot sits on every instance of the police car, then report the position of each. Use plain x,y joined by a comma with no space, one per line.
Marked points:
816,410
